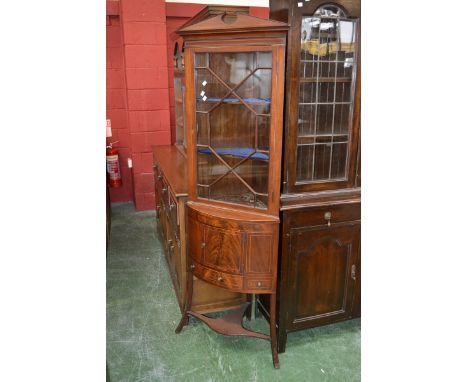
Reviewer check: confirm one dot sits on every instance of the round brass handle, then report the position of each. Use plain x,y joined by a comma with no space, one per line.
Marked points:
192,266
259,284
203,245
164,189
159,177
220,279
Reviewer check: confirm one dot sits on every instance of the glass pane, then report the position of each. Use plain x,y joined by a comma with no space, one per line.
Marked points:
233,126
179,107
327,83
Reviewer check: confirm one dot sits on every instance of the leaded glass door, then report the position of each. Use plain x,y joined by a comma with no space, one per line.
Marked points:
233,107
323,123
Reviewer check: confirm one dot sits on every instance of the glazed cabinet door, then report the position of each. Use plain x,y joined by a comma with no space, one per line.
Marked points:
322,273
323,93
236,95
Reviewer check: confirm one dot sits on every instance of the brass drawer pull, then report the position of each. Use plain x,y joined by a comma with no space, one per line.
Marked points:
171,206
220,279
159,177
192,266
327,217
164,189
259,284
203,245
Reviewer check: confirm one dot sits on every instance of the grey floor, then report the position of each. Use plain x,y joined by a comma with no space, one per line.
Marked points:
142,314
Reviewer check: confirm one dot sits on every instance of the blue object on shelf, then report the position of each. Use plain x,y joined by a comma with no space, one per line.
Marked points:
237,152
246,100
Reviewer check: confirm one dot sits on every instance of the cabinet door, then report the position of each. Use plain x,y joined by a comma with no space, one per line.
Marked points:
323,273
322,96
236,128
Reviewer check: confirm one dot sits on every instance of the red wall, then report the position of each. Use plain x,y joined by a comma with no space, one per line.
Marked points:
139,83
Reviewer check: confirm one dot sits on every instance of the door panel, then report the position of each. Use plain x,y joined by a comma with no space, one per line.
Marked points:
322,260
223,249
196,238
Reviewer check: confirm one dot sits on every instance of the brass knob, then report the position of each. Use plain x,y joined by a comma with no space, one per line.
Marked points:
327,216
192,266
259,284
165,189
171,206
172,247
220,279
203,245
159,177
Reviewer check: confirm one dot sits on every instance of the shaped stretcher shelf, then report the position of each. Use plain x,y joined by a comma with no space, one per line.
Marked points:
239,152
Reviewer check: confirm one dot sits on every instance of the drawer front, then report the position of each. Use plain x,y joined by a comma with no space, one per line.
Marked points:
165,195
325,215
259,284
218,278
173,210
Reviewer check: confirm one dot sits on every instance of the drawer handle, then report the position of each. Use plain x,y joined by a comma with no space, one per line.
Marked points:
165,189
327,217
259,284
220,279
203,245
171,206
159,177
353,272
192,266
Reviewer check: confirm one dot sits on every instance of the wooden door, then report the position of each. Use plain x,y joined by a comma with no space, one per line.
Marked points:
322,273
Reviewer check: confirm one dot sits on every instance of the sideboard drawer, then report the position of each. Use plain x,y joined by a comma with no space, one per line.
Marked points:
259,284
326,215
221,279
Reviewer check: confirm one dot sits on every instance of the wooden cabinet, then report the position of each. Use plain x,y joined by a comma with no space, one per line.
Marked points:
319,275
237,252
234,77
320,267
171,197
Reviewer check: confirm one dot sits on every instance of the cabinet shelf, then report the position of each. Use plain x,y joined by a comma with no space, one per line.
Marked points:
257,101
238,152
325,79
322,135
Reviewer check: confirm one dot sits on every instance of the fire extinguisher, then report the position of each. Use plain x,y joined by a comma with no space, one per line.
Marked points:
114,177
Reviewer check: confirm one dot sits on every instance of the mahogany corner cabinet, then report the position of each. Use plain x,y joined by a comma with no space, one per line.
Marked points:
234,79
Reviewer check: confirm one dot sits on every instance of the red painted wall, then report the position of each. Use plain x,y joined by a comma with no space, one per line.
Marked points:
140,43
116,102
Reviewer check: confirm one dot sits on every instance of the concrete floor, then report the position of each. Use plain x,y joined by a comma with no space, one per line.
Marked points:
142,314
